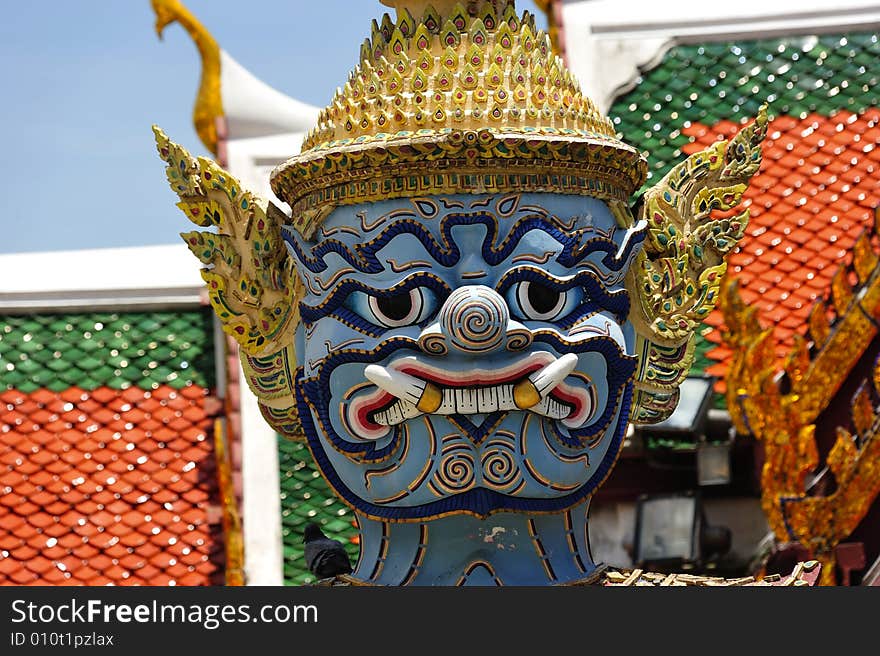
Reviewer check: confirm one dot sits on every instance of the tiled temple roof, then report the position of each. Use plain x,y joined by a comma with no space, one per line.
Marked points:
306,497
148,349
820,177
107,472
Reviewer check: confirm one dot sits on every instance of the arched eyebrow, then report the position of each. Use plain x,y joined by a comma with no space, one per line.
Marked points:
598,297
445,251
340,292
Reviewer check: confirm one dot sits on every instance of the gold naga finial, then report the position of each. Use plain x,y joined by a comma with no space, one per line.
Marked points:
784,419
209,104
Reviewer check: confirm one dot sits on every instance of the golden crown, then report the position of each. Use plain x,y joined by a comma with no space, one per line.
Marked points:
467,99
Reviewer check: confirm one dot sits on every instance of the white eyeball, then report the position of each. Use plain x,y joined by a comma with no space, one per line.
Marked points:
401,309
539,302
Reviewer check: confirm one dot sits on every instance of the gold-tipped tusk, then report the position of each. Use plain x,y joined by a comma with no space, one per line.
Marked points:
431,399
525,394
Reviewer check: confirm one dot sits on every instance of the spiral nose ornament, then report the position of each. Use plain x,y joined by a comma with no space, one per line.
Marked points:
474,319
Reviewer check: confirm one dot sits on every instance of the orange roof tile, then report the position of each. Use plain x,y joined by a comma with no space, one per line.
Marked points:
813,196
80,487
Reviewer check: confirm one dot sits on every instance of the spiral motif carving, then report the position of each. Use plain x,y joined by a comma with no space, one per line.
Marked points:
435,344
475,318
517,340
456,471
500,469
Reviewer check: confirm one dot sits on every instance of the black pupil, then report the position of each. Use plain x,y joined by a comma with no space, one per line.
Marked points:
541,298
395,307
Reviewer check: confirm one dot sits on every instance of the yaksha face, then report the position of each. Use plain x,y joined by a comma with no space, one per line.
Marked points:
466,354
475,314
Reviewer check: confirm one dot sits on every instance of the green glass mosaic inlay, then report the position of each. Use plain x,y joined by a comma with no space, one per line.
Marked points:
90,350
306,497
714,82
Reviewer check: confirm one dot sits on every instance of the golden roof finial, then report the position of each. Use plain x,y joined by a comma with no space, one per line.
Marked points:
209,104
418,7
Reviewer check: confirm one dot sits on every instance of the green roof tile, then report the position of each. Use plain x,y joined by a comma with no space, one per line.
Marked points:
306,497
729,81
145,349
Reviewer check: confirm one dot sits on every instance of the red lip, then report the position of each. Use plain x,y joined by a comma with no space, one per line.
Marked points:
486,379
365,413
363,408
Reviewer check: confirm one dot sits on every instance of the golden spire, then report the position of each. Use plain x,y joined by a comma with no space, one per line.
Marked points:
552,28
209,104
469,100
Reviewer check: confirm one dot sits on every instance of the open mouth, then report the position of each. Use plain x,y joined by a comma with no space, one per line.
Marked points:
408,388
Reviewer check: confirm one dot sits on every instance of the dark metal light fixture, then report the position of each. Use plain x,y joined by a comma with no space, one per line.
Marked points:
713,463
667,531
672,533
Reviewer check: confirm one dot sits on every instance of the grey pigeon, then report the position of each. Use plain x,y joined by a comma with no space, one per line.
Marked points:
325,557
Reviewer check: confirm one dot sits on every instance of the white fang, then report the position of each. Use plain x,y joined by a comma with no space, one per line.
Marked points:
396,383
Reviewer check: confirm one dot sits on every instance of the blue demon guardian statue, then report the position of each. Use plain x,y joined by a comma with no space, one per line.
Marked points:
461,315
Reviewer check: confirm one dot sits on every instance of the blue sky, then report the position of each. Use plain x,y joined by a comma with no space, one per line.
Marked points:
84,80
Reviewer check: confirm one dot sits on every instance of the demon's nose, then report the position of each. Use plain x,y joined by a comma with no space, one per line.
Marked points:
474,320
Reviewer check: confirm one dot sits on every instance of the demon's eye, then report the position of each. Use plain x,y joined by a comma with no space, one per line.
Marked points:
401,309
393,309
539,302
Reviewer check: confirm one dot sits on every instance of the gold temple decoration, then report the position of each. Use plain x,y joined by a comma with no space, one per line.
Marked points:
552,28
461,100
209,104
468,100
785,421
674,281
234,540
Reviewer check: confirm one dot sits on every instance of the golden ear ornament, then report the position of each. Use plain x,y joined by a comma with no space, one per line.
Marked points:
674,281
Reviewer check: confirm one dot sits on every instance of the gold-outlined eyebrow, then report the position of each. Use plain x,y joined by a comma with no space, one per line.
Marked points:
443,247
332,231
481,203
540,211
528,257
335,347
333,279
608,277
400,268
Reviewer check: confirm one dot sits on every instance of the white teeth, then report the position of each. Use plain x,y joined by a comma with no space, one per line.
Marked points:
447,405
396,414
465,400
552,408
400,411
403,386
505,397
410,390
546,379
487,399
